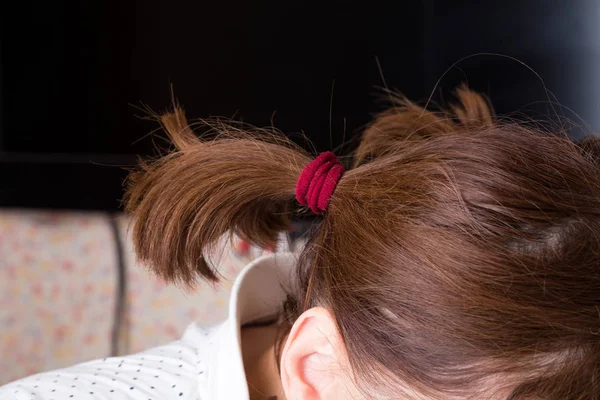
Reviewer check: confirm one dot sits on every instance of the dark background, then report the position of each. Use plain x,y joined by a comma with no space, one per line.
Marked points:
71,73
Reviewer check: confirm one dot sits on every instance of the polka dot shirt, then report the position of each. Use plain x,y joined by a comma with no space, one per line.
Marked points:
206,364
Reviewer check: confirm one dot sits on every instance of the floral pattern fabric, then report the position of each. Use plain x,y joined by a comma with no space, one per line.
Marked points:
58,285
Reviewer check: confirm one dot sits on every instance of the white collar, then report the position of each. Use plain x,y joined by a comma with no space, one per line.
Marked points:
258,293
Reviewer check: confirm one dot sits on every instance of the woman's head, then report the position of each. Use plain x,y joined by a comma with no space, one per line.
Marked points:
459,258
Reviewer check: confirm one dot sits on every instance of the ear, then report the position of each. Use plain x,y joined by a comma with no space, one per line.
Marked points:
312,359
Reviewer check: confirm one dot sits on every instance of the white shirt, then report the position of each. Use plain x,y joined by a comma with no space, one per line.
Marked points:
206,364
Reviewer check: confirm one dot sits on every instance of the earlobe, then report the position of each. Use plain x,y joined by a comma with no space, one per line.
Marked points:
310,359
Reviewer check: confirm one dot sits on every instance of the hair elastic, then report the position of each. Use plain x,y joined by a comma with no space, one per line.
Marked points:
318,181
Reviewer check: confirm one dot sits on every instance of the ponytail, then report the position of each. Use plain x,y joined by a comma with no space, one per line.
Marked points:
409,122
184,203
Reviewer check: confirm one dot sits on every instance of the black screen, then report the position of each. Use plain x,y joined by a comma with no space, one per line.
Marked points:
75,75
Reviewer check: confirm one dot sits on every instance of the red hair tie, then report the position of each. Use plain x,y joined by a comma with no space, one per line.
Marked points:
318,180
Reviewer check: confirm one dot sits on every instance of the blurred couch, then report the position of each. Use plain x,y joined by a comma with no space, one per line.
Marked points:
59,292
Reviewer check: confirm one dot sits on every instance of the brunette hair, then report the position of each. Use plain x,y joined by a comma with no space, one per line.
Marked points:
459,257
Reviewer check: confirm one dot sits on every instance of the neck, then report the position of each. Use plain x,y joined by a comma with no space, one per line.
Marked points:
260,365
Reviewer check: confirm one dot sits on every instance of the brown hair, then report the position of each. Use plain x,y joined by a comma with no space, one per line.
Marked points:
460,257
